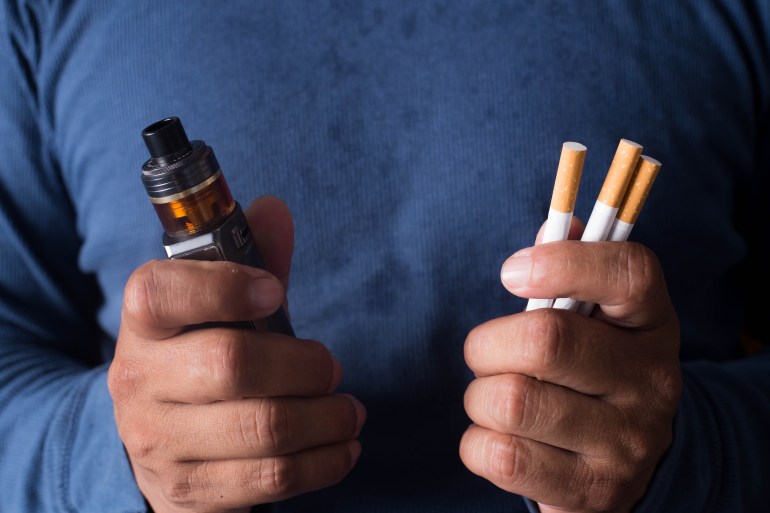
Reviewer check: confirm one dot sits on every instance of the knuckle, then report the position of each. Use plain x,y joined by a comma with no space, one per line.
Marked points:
606,493
641,274
609,485
639,447
512,402
271,426
143,295
225,362
507,460
276,477
593,490
644,444
547,347
123,380
140,442
179,488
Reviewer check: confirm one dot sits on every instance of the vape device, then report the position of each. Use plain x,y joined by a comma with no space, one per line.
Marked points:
200,219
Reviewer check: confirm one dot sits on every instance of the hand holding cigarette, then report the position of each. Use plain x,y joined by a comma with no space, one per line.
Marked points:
571,411
575,412
625,188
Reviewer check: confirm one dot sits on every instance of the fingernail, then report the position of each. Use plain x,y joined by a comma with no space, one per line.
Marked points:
355,451
516,270
265,293
524,251
336,374
360,414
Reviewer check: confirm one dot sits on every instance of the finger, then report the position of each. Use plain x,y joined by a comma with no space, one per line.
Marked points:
519,405
586,355
257,428
624,278
273,230
163,297
541,472
231,484
221,364
576,228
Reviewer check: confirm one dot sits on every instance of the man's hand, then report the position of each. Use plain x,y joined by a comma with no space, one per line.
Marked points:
576,412
218,419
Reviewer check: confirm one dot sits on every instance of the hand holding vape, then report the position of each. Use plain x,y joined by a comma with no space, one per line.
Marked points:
200,219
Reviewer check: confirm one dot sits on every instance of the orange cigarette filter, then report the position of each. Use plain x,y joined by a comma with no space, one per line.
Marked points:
620,173
646,171
573,156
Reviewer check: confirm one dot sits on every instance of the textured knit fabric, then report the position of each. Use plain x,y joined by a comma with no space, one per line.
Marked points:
416,144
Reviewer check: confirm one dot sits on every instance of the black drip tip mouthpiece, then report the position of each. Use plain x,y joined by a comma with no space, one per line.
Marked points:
166,139
177,164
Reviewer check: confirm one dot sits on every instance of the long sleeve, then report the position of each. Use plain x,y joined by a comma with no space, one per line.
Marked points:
59,448
718,460
720,457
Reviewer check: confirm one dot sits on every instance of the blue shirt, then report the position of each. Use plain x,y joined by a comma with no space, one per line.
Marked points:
416,145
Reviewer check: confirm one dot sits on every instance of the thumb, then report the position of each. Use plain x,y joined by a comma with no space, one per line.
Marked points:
272,228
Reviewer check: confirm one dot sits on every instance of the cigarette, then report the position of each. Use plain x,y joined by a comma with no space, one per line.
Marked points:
565,190
608,203
641,184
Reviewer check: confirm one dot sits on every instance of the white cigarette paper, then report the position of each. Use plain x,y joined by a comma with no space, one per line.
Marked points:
562,202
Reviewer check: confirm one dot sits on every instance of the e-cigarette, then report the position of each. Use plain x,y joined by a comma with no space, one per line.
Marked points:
200,219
